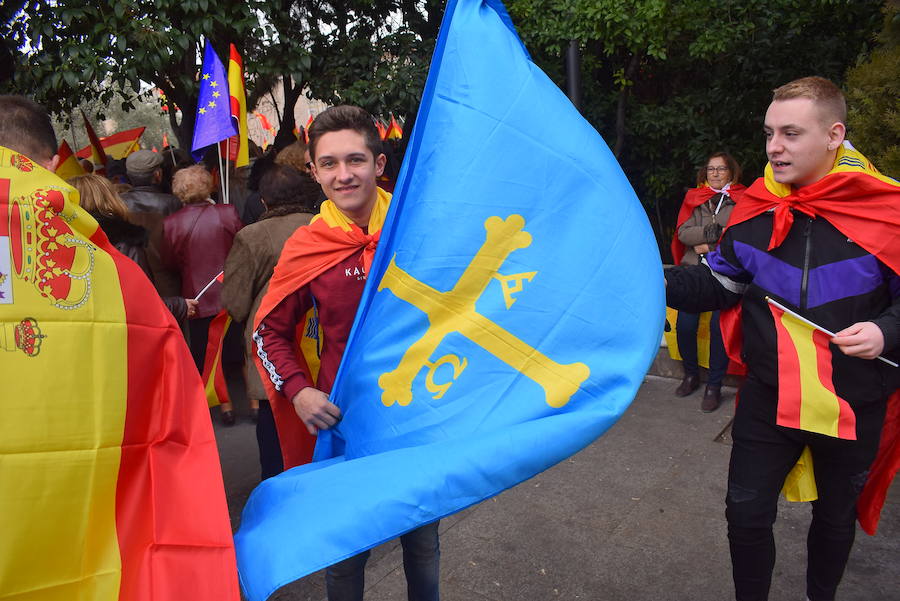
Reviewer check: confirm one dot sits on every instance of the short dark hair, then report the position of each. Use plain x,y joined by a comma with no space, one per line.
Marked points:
284,185
25,127
730,162
345,116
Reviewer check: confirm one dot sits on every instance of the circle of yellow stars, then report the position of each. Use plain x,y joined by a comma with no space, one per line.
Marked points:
212,103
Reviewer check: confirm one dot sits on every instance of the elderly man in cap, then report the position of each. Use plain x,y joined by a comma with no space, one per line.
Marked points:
144,169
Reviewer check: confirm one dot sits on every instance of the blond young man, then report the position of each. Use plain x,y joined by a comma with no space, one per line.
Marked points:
811,236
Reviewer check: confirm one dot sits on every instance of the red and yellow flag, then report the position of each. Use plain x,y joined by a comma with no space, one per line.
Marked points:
306,129
239,152
68,162
97,154
806,396
117,146
382,130
111,481
264,123
394,132
213,376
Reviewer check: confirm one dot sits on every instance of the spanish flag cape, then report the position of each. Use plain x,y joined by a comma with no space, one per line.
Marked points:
693,199
310,251
110,485
864,205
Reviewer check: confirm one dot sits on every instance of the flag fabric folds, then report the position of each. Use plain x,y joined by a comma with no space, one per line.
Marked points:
68,162
117,146
213,121
213,375
499,332
806,396
97,154
394,131
239,151
110,473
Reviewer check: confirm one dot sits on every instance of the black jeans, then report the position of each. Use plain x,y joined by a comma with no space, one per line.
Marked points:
345,580
686,328
270,459
761,458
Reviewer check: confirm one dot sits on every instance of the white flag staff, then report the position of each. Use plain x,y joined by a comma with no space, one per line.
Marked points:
817,326
211,282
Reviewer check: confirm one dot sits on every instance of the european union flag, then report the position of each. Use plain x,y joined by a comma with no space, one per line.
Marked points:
512,310
213,122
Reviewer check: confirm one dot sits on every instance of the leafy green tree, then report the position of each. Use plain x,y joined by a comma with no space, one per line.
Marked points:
874,98
668,83
72,50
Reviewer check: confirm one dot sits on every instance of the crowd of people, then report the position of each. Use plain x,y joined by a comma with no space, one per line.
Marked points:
288,274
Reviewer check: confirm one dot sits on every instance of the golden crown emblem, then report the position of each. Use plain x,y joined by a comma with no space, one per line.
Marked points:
46,252
25,336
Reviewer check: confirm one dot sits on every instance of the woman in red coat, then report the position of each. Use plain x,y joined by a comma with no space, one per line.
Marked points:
196,241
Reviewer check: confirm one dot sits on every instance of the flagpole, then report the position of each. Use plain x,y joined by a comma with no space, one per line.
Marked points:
816,326
205,288
221,178
227,169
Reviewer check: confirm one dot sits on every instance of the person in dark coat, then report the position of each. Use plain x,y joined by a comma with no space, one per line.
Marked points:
145,172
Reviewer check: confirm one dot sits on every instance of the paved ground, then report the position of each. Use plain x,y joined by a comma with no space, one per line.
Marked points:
636,516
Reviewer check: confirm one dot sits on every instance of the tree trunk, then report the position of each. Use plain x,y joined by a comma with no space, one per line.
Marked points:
633,63
292,92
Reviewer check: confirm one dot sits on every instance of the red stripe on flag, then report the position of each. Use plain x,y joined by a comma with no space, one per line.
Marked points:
789,393
883,469
212,359
171,516
846,417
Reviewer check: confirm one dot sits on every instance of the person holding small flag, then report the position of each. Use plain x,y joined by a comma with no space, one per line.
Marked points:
196,241
812,247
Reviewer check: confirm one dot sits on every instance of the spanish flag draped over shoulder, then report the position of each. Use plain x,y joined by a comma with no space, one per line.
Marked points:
310,251
863,204
110,486
497,334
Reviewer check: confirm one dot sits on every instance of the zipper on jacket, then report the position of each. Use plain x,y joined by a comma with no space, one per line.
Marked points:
804,283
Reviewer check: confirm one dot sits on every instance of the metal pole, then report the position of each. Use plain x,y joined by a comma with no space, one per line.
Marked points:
573,74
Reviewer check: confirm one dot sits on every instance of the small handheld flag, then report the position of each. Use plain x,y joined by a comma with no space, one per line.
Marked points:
219,278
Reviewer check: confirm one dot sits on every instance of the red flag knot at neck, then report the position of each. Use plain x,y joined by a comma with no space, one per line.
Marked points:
369,250
784,218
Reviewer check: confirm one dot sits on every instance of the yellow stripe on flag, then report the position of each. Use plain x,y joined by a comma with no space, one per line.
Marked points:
819,408
671,337
59,456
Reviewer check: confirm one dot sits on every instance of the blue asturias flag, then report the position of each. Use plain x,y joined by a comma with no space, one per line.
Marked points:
213,122
512,310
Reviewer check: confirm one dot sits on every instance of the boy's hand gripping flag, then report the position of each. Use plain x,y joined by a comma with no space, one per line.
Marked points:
515,302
